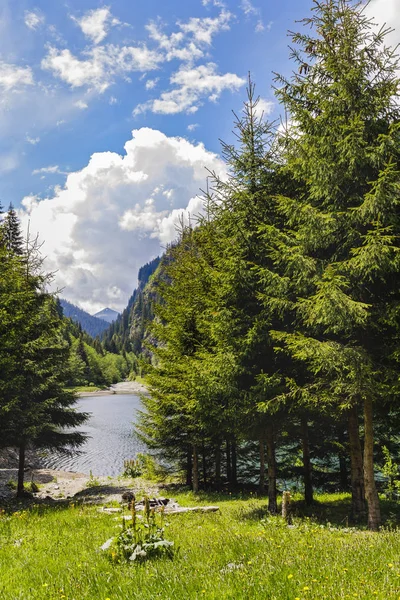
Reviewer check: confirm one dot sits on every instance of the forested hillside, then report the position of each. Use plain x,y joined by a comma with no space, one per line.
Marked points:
92,325
129,330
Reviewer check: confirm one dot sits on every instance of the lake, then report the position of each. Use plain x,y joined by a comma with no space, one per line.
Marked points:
112,439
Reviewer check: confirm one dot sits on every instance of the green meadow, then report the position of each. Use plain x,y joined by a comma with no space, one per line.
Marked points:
53,552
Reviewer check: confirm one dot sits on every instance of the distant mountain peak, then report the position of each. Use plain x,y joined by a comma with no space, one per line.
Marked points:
107,314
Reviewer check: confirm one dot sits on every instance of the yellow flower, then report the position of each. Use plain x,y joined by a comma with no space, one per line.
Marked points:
305,588
390,565
290,576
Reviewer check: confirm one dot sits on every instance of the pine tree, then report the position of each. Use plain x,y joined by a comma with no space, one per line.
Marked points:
35,408
12,232
337,246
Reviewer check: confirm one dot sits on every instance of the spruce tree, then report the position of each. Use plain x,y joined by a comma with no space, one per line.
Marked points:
337,246
12,232
35,408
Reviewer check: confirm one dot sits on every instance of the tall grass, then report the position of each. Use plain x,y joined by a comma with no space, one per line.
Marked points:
239,553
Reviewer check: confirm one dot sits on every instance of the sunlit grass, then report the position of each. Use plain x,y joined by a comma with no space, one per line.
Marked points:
53,553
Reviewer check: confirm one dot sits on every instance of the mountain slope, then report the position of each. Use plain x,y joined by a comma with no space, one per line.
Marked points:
128,331
92,325
107,314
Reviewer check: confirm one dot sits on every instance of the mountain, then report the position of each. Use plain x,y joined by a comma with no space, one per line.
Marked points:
129,330
107,314
92,325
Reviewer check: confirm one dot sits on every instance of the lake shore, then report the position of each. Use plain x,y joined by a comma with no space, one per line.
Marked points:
123,387
57,485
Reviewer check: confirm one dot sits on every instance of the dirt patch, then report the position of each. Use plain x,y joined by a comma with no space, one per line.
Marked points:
64,485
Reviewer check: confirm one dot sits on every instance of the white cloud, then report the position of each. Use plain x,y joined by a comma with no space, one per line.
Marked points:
260,27
252,11
194,36
101,66
193,85
264,107
386,11
192,126
113,100
14,78
96,23
217,3
33,19
32,141
203,30
50,169
151,83
117,213
81,104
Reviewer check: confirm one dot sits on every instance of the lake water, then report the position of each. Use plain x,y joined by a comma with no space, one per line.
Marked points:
112,438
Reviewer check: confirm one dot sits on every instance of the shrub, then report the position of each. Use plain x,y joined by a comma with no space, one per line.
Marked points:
141,540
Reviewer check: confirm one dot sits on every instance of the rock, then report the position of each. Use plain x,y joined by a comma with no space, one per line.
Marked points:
128,497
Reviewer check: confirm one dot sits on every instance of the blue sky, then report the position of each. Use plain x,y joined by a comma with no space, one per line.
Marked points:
77,77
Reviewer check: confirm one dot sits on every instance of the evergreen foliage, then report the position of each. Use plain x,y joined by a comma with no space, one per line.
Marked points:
278,315
129,330
35,408
11,232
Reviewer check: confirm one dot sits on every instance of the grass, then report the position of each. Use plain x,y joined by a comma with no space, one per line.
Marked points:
87,388
239,553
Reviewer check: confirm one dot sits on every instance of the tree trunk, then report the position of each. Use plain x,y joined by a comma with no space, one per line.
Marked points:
195,484
234,462
286,506
344,481
21,467
228,462
204,463
356,468
272,503
308,487
262,467
218,466
189,468
371,494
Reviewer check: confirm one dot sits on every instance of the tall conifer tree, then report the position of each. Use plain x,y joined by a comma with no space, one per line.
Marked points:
338,248
12,232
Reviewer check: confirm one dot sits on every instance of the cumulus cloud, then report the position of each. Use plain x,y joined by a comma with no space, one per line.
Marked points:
96,23
81,104
33,19
386,11
117,213
192,86
264,107
151,83
14,78
203,30
101,66
189,43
